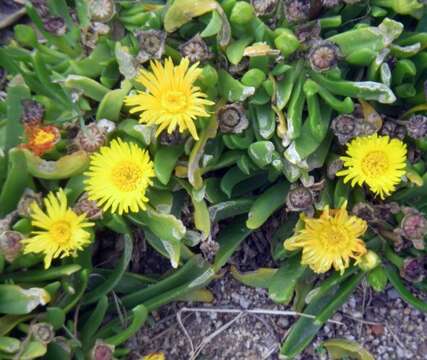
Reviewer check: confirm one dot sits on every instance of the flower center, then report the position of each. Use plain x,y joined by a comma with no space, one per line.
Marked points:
174,101
61,231
375,163
127,176
42,137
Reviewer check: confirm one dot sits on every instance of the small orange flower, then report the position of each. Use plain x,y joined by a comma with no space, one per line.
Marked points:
41,139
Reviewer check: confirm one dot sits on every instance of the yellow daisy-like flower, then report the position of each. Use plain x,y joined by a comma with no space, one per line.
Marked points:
330,240
119,176
171,100
61,231
376,161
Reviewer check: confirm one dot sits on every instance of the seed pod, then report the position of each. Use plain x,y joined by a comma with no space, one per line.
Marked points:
232,118
41,7
416,126
369,261
297,10
308,33
414,227
174,138
264,7
55,25
344,128
90,138
240,68
414,154
365,211
89,36
28,198
414,269
42,332
32,112
393,130
102,10
323,56
102,351
333,167
10,244
299,198
195,49
386,211
209,248
87,207
152,45
7,221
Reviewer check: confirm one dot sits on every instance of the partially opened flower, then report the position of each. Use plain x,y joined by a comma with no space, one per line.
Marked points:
41,139
375,161
118,177
171,99
331,240
61,232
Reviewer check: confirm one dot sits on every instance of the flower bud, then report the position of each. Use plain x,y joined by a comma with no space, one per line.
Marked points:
90,138
10,244
195,49
102,351
308,33
369,261
242,13
416,126
174,138
299,199
414,227
42,332
152,45
364,211
102,10
414,269
55,25
393,130
232,118
87,207
323,56
32,112
27,198
344,127
264,7
297,10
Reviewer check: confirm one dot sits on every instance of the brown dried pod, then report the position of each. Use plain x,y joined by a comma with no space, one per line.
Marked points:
393,130
416,126
27,199
87,207
414,227
102,10
42,332
152,45
11,244
32,112
299,198
55,25
414,269
323,56
264,7
232,118
195,49
344,127
174,138
102,351
90,138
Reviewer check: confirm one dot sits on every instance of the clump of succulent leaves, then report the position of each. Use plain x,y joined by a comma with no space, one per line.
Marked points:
141,143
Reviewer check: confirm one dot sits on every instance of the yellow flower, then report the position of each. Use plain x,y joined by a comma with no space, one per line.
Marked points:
119,176
330,240
61,231
170,100
376,161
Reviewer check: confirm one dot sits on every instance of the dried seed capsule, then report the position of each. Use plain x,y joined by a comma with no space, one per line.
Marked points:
264,7
10,244
28,198
232,118
393,130
308,33
299,199
416,126
323,56
414,155
41,7
369,261
333,167
90,138
174,138
42,332
87,207
152,45
297,10
365,211
102,351
344,127
32,112
195,49
414,269
414,227
102,10
55,25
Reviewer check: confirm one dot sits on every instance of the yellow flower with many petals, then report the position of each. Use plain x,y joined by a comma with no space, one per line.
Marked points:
376,161
62,232
171,100
330,240
118,177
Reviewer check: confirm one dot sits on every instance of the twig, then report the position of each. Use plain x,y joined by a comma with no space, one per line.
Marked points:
388,328
270,352
181,325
